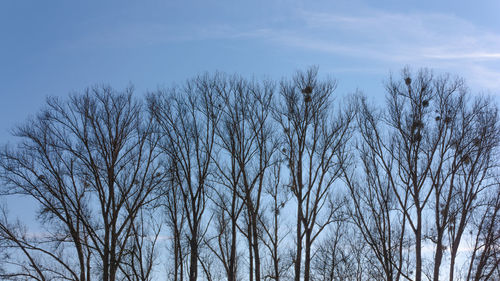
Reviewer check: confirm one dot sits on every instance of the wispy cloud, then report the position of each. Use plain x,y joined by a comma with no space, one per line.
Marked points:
412,35
386,39
439,41
472,55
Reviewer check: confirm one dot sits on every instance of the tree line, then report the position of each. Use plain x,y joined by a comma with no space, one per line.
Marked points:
225,178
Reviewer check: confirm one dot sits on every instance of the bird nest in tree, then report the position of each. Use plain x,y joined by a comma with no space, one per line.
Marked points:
307,90
307,93
417,124
417,137
408,81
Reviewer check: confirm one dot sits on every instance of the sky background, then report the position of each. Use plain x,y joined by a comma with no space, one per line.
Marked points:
59,47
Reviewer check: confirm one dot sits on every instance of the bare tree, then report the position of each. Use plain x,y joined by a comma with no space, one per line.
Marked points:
256,146
246,140
474,144
227,199
25,257
341,255
314,141
142,250
188,118
171,200
484,262
412,150
373,203
274,230
90,163
227,161
429,153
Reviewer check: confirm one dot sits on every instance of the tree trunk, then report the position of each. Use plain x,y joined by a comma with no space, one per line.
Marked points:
438,257
250,253
255,245
105,259
298,253
452,265
232,259
418,247
307,261
275,246
176,256
193,266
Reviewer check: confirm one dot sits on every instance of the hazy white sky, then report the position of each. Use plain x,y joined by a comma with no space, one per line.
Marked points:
57,47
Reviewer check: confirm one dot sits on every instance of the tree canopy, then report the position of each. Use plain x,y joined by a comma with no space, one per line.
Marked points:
225,178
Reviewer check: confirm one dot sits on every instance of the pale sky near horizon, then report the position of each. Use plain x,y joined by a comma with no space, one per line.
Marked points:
58,47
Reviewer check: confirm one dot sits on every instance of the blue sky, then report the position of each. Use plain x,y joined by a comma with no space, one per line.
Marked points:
56,47
59,47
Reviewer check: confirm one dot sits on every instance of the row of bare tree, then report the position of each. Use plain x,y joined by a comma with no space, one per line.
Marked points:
225,178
